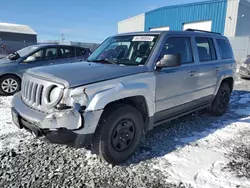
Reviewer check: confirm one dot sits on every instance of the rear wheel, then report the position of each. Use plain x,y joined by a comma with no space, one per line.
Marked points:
221,101
118,134
9,85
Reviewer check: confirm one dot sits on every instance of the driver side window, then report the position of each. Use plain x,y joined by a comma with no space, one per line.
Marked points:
37,55
179,46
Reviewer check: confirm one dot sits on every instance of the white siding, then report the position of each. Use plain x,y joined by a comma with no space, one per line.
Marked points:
231,18
133,24
160,29
202,25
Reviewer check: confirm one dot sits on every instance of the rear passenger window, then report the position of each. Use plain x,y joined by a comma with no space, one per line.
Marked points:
206,49
225,49
181,46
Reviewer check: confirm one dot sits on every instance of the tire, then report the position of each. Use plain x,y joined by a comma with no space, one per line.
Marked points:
9,85
118,134
221,101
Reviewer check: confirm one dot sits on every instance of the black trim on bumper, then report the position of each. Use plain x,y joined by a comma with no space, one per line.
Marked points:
59,136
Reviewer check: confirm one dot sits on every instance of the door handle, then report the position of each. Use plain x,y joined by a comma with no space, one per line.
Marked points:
217,69
191,73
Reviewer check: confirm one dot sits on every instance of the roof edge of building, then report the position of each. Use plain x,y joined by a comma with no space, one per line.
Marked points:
186,4
139,15
25,28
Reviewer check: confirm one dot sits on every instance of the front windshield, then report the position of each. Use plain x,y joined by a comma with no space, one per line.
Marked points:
126,50
25,51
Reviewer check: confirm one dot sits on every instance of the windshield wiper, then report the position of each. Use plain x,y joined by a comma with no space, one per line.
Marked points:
102,61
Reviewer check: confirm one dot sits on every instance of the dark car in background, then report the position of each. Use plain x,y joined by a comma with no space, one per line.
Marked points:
14,65
245,68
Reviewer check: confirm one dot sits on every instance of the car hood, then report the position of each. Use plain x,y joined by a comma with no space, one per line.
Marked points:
82,73
5,61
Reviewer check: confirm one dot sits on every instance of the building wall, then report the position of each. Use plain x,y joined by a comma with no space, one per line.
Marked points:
231,17
16,41
133,24
176,16
243,19
241,47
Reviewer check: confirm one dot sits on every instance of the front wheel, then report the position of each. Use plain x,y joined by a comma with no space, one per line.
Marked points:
221,101
118,134
9,85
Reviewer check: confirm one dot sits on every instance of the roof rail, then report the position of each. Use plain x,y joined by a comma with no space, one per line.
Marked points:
197,30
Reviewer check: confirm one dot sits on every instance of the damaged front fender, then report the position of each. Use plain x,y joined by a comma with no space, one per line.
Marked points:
70,119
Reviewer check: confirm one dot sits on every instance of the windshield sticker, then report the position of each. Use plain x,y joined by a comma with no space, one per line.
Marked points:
138,59
143,38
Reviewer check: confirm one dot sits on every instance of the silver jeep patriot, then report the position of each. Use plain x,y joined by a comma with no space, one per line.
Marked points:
130,84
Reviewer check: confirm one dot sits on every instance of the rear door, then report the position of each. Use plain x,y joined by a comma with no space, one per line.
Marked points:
176,86
208,66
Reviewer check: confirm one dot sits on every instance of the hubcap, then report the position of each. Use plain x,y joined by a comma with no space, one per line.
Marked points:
123,135
9,85
223,99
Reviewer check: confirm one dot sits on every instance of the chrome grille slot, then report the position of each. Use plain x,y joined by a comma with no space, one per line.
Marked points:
40,95
26,90
33,93
30,92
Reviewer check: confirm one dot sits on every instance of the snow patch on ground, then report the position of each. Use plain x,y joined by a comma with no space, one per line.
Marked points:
10,135
201,164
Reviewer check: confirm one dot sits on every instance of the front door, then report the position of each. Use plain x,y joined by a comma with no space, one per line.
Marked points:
42,57
176,86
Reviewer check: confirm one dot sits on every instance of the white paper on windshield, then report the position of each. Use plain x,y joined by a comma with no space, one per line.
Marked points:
143,38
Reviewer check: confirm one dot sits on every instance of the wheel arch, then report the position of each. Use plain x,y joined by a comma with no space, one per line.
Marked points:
229,81
11,74
138,101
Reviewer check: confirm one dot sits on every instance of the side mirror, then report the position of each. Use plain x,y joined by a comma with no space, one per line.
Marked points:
30,59
169,60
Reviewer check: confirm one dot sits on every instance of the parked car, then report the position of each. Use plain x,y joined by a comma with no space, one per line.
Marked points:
131,83
245,68
14,65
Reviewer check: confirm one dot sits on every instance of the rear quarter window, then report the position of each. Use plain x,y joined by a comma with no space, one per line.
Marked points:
224,49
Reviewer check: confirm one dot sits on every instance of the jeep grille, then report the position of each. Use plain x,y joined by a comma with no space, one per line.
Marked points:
34,90
32,93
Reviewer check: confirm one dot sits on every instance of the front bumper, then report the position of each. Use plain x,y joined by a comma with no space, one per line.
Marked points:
70,127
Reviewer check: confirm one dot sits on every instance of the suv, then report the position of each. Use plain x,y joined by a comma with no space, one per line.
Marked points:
14,65
130,84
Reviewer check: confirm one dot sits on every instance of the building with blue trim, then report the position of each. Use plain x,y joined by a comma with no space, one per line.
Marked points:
229,17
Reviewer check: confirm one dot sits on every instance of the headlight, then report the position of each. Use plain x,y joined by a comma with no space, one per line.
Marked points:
53,96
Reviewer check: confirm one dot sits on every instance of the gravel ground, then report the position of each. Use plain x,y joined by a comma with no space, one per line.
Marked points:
194,151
